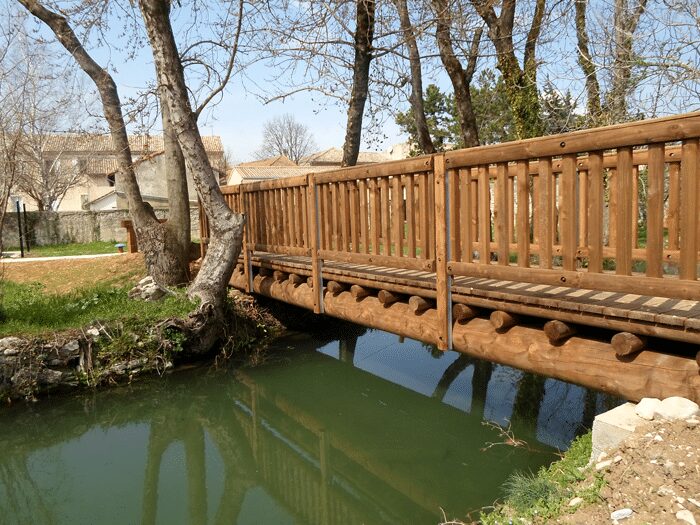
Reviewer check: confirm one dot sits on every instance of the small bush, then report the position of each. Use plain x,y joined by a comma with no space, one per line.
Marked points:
526,490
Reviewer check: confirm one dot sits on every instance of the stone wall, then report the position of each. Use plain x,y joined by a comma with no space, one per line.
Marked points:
48,227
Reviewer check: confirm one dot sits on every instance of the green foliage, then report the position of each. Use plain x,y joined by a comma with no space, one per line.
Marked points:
29,311
55,250
546,495
494,116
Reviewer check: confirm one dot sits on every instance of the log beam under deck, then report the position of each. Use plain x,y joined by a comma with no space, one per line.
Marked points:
587,362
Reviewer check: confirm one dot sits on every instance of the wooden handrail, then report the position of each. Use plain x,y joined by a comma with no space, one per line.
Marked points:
563,209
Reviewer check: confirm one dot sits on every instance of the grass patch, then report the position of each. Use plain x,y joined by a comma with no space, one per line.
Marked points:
28,310
56,250
545,495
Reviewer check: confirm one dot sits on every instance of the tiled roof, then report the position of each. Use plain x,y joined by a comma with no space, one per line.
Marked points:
102,143
334,156
280,160
255,173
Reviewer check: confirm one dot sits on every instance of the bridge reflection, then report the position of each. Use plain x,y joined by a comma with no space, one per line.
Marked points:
326,441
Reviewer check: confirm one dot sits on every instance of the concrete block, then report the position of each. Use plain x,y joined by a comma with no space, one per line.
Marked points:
612,427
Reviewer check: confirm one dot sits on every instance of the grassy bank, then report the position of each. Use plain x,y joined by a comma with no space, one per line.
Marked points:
56,250
540,497
77,326
28,311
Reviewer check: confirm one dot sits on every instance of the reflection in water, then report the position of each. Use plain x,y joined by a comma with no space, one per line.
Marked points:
380,433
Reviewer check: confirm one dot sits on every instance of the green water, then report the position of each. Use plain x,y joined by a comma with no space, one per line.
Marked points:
362,429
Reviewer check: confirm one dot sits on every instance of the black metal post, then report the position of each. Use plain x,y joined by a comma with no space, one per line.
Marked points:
19,228
26,227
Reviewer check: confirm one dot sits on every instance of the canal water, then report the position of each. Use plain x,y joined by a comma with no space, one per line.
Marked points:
360,429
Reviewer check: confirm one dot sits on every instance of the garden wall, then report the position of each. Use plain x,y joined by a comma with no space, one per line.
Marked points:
49,227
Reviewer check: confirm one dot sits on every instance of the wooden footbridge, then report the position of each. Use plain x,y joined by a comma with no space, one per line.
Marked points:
573,256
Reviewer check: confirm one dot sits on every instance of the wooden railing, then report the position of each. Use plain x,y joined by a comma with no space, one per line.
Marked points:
561,210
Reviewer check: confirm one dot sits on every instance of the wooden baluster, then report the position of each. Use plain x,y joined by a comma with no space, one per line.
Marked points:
567,212
623,245
596,204
410,217
484,216
454,212
424,216
396,218
635,206
612,207
354,217
386,224
247,230
364,216
313,198
335,212
442,254
291,218
511,209
501,213
655,210
474,207
302,195
431,214
464,185
674,204
345,216
374,210
523,228
583,208
689,209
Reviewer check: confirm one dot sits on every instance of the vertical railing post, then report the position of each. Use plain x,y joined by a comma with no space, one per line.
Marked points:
315,229
247,253
442,253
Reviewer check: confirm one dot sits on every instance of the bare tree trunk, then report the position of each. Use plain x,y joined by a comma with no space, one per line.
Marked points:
162,261
520,83
626,23
461,78
226,228
585,60
425,142
364,35
178,225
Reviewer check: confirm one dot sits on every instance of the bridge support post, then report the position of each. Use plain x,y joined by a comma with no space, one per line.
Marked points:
315,231
442,252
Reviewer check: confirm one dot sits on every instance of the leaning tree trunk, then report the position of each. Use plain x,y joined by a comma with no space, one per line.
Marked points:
364,36
178,225
226,228
162,260
425,141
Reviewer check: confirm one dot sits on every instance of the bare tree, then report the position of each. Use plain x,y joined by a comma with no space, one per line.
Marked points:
610,106
461,77
425,142
520,81
203,327
284,135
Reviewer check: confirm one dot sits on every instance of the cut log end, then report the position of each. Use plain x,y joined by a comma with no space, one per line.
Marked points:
279,276
335,287
626,343
419,304
387,298
296,279
359,292
503,320
558,331
461,313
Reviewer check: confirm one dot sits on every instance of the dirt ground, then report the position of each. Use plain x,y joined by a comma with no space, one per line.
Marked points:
62,275
656,473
